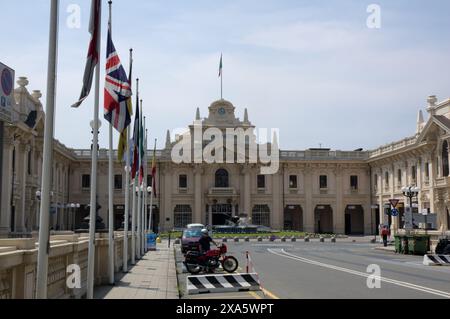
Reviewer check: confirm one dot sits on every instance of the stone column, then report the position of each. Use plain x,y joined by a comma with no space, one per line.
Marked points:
338,210
308,212
168,207
22,179
210,216
277,210
198,191
5,209
247,191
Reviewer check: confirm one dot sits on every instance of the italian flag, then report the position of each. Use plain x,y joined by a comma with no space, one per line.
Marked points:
220,66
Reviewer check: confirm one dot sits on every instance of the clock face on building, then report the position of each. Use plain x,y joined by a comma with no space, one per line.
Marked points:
222,111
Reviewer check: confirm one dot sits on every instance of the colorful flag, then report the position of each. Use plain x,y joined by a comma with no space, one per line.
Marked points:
141,148
93,52
154,172
135,158
123,143
117,89
220,66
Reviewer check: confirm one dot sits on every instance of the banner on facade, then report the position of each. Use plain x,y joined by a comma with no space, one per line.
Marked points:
6,92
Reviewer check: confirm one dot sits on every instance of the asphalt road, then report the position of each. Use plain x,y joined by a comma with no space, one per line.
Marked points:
338,271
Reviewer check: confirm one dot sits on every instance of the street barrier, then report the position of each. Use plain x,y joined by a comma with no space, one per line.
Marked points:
222,283
436,260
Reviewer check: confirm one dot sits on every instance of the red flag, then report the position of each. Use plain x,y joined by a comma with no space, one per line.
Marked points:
93,53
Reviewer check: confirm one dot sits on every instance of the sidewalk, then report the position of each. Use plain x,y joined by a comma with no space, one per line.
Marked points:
153,277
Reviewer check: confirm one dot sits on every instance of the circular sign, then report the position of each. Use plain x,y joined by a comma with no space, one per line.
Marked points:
7,81
394,212
222,111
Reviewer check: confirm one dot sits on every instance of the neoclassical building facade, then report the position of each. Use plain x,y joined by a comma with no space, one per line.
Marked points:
315,190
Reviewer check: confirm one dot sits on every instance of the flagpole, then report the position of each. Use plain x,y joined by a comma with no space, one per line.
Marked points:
221,77
134,189
150,228
127,189
139,204
141,187
110,188
144,182
93,211
44,235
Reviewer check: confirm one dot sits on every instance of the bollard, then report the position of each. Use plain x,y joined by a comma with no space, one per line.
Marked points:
224,240
307,239
333,239
322,239
283,239
236,239
260,239
247,239
293,239
177,241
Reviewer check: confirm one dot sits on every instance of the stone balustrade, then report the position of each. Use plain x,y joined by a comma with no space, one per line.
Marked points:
18,264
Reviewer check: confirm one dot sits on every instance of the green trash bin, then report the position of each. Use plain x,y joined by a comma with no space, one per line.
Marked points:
398,244
418,245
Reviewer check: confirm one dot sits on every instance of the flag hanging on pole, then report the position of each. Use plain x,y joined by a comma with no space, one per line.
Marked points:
220,66
93,52
123,143
117,89
135,142
141,148
154,172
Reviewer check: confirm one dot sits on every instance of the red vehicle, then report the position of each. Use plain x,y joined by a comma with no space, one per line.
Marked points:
196,262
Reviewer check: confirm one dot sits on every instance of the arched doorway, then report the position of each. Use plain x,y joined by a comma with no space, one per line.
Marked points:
323,219
222,179
293,218
354,220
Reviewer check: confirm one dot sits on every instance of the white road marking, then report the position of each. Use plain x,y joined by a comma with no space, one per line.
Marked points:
284,254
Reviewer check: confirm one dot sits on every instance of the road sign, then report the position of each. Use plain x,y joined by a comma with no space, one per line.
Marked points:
425,211
394,212
394,202
6,92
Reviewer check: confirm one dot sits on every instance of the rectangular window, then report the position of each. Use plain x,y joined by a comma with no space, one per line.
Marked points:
117,182
182,182
414,173
427,171
86,181
261,181
354,182
375,182
323,181
399,177
293,182
29,163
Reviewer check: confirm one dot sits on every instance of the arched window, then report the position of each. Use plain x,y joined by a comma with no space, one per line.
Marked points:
222,179
445,164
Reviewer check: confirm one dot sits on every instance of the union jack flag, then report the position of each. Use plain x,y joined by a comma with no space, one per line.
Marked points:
117,90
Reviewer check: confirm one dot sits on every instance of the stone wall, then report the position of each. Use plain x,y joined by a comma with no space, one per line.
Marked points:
18,264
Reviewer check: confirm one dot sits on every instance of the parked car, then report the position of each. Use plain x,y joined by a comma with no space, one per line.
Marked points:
196,226
190,238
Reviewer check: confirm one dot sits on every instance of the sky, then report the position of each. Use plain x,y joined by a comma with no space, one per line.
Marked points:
312,69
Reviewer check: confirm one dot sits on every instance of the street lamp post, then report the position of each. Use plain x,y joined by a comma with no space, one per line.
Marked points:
410,192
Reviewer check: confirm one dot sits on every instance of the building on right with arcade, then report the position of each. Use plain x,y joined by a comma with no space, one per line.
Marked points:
420,161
